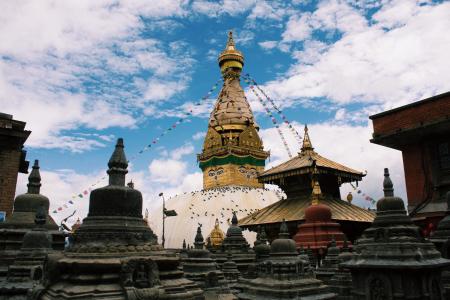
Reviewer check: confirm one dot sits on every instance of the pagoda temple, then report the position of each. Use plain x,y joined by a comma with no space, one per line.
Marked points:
295,177
231,159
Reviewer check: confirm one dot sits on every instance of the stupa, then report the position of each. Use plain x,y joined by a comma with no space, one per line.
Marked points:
283,275
295,177
215,238
198,266
341,282
27,269
22,220
441,239
392,260
231,160
319,229
330,264
236,244
115,254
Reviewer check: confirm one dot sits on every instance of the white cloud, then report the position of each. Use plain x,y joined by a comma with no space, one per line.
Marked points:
167,171
199,135
388,63
74,63
179,152
268,45
159,89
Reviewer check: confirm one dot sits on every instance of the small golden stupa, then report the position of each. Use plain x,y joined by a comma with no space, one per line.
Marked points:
216,236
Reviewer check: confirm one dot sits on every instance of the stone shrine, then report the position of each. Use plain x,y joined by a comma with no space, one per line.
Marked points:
330,264
27,269
115,254
341,282
237,245
198,266
391,259
22,220
283,275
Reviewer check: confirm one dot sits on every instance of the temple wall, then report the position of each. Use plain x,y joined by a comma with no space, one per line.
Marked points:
230,174
9,168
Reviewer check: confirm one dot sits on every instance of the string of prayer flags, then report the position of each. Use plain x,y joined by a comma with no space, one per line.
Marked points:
274,121
279,111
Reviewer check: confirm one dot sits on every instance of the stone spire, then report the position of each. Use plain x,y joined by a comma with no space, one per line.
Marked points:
307,147
391,254
118,164
34,180
199,241
262,249
330,264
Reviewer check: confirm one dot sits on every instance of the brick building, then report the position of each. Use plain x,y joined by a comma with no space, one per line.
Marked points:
12,158
421,130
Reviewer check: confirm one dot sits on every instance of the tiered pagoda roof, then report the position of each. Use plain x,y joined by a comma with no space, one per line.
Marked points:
330,175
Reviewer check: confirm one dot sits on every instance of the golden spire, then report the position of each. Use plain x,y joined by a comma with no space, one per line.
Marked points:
216,236
316,191
230,57
307,147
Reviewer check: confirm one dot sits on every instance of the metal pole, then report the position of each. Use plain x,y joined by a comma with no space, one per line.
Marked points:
164,221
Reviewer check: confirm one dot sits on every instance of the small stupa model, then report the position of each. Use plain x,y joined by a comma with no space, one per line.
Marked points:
198,266
27,269
22,220
232,157
329,265
115,254
441,239
283,275
341,282
392,260
236,244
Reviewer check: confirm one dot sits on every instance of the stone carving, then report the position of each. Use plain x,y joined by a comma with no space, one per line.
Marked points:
139,273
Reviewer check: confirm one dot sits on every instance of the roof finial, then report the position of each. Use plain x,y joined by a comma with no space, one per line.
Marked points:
34,180
234,220
388,187
199,241
307,147
284,233
230,42
118,165
316,190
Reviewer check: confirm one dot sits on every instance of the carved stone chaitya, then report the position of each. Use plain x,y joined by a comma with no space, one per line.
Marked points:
391,259
201,268
330,264
441,239
115,254
236,244
27,269
283,275
341,282
22,220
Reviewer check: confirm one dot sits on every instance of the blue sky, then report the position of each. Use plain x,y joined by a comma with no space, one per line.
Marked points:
83,73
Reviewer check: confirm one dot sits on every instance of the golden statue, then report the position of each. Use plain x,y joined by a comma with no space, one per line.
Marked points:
216,236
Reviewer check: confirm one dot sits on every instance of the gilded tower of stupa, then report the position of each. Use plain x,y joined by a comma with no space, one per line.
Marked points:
232,157
232,151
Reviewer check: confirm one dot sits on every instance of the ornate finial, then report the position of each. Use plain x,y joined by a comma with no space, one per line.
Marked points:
263,236
230,42
316,191
34,180
349,197
234,220
118,165
216,224
41,216
284,233
307,147
184,244
388,187
199,241
130,184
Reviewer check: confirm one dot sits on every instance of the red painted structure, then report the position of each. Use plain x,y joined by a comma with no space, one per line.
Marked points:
421,130
319,229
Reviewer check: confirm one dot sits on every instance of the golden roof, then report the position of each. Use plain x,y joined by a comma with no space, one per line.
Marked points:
231,57
294,210
216,236
306,161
